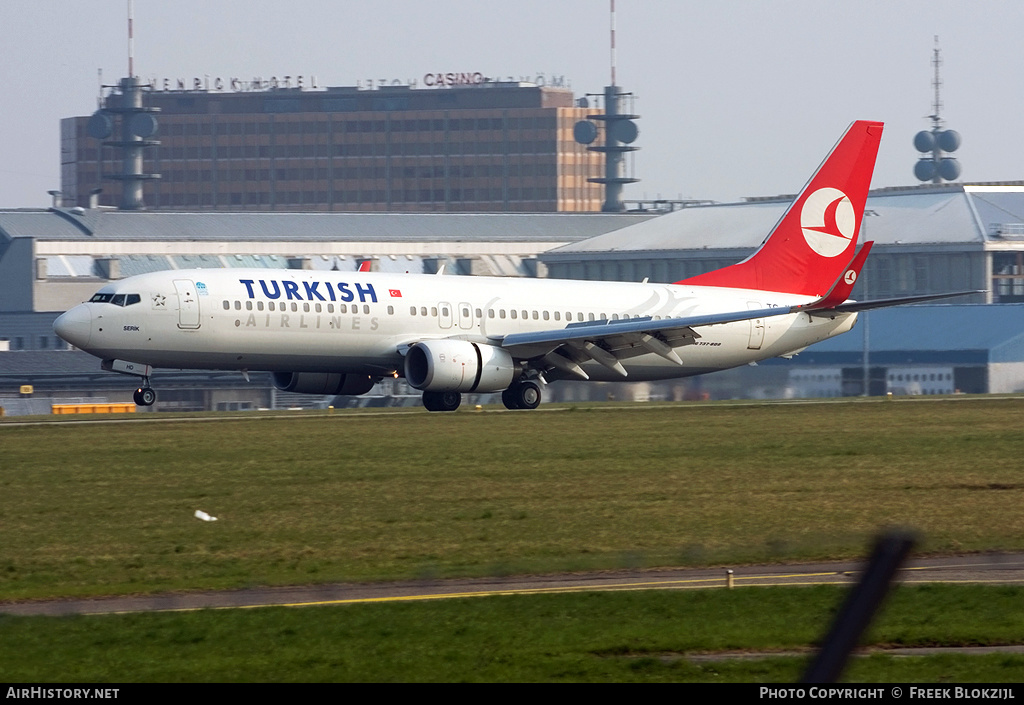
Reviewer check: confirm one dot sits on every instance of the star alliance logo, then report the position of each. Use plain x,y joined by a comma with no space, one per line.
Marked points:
159,301
828,221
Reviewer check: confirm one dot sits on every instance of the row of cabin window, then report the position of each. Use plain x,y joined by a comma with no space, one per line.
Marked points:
525,314
294,307
422,311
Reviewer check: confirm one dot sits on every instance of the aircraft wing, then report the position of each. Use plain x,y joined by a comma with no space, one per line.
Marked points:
606,342
884,303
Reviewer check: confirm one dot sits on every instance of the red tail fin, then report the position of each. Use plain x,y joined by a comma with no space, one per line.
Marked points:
814,241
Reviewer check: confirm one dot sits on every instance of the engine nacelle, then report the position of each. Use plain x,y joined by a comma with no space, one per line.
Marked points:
458,366
328,383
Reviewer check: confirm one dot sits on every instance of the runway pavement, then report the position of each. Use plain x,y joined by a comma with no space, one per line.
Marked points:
1001,568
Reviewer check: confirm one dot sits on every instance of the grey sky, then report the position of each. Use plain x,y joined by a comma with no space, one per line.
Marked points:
737,97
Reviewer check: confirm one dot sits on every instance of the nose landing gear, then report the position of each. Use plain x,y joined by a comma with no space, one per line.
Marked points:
145,396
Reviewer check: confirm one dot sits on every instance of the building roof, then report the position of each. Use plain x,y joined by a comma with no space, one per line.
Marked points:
105,224
952,214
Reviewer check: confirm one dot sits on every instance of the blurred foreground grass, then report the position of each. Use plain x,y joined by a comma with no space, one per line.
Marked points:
89,509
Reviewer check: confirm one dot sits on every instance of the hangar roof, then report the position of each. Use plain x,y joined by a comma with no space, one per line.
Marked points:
106,225
949,214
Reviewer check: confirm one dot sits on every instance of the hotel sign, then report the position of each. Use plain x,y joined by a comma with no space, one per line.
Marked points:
218,84
235,84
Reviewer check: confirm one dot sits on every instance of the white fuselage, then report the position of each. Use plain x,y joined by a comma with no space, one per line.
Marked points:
361,322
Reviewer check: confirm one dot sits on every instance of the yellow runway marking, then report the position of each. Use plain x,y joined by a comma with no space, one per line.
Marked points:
762,580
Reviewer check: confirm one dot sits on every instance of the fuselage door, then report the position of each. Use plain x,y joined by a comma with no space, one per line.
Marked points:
756,327
188,304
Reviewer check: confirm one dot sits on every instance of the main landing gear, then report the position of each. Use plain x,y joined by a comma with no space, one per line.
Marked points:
524,395
442,401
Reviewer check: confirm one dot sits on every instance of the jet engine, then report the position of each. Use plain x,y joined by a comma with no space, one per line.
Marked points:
331,383
458,366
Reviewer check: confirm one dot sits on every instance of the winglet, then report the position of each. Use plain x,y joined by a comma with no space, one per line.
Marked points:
809,247
365,265
844,285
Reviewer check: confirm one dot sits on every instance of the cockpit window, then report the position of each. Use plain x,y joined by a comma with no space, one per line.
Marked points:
116,299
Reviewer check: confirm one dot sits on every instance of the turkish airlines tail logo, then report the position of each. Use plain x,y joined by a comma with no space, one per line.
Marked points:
814,241
828,221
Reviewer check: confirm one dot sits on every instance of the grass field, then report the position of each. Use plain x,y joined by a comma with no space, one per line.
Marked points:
90,509
626,636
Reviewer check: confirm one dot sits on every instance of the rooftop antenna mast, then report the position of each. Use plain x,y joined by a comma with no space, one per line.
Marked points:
620,131
937,84
613,42
935,164
131,40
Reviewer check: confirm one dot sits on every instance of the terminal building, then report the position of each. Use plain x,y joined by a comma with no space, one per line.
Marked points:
479,146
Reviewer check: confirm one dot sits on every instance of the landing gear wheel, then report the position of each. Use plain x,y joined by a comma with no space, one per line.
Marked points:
521,396
442,401
144,396
528,395
508,398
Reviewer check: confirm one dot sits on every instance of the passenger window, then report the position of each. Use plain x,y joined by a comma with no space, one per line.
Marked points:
305,307
490,313
259,305
330,308
248,305
590,316
465,313
579,316
536,316
270,305
391,310
479,313
343,308
366,308
227,305
412,310
295,307
513,314
501,313
423,310
546,315
444,310
433,311
238,305
319,308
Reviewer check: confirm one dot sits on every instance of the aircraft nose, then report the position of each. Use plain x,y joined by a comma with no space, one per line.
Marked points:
75,326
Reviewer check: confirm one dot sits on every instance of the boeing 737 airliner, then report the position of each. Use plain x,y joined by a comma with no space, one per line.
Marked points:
340,333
